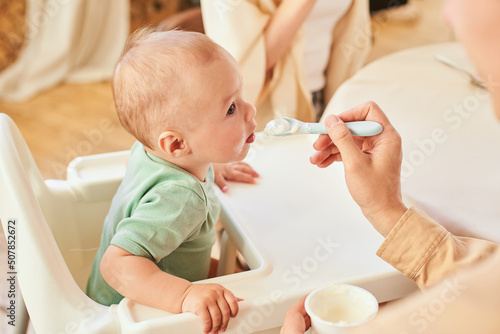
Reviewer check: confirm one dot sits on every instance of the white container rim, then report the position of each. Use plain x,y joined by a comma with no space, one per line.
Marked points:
338,324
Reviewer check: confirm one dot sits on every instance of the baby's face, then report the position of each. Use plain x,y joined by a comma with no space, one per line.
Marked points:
222,122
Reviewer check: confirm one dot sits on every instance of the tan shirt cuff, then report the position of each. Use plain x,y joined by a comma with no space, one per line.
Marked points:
411,242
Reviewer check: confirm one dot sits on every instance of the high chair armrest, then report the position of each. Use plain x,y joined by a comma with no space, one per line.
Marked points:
97,177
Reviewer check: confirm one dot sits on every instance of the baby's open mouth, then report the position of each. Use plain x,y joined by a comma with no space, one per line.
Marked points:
251,138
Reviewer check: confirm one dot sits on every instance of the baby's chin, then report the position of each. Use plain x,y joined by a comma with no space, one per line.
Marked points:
243,152
242,148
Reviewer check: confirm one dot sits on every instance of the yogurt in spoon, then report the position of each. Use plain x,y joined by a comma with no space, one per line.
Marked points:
281,126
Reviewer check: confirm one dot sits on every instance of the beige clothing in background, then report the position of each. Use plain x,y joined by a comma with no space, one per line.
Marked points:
66,41
239,27
461,277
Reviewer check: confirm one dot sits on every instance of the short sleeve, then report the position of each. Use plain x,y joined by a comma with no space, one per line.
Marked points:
164,218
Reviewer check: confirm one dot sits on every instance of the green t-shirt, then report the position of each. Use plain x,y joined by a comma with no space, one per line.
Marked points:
160,212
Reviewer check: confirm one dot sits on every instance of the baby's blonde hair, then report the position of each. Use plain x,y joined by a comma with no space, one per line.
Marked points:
149,83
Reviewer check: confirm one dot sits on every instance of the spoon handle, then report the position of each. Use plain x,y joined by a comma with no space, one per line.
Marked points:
312,128
474,80
452,64
360,128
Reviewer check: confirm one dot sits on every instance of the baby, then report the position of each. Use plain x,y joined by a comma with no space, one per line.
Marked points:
179,94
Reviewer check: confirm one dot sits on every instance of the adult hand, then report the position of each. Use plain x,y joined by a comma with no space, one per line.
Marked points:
297,321
372,164
234,171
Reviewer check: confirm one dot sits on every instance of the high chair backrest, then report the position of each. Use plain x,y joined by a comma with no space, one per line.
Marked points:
55,229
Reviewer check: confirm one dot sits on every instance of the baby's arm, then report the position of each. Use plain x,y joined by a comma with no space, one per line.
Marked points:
233,171
139,279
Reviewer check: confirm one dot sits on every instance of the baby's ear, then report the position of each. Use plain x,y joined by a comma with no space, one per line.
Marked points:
173,144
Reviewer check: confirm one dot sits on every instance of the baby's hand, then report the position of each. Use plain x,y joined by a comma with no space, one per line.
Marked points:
233,171
213,303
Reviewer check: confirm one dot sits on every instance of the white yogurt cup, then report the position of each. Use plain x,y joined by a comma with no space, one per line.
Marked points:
335,308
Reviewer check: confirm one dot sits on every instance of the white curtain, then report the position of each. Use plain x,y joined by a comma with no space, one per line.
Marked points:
66,41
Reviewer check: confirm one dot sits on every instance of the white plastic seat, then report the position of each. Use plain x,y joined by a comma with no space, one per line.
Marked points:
54,229
58,225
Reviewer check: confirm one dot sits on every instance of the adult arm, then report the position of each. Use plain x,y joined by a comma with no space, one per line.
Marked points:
467,302
244,28
417,246
283,26
372,165
420,248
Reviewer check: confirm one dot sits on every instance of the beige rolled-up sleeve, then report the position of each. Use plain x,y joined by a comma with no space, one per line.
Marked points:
426,252
463,303
460,275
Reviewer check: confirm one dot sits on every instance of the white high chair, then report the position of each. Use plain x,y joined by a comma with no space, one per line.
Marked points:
56,226
57,231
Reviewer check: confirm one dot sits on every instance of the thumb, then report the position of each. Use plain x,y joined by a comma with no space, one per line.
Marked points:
342,138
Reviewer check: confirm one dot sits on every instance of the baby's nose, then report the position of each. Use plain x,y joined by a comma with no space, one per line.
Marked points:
251,112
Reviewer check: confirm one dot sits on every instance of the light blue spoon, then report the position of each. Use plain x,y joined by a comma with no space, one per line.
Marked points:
287,126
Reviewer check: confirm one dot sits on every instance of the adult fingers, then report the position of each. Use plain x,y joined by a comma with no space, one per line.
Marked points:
368,111
296,319
330,160
322,142
320,156
342,138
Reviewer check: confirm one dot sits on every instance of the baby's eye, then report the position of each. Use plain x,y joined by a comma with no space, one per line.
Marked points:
231,109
